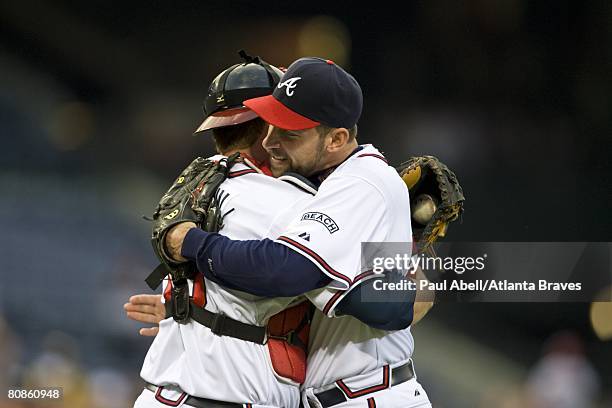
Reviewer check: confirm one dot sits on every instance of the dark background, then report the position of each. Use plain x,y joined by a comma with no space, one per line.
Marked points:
98,101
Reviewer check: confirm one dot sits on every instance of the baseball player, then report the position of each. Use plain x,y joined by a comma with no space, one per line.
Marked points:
194,364
314,111
222,361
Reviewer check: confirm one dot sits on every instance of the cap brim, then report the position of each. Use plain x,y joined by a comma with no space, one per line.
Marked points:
226,118
275,113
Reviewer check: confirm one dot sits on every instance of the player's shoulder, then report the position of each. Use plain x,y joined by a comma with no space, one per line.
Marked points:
366,160
370,166
265,184
251,181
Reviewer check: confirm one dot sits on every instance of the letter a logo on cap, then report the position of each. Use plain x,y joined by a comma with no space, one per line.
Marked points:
290,84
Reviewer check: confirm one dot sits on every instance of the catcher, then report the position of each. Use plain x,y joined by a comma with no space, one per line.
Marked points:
220,347
335,299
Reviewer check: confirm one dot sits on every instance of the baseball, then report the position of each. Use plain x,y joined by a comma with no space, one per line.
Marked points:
424,208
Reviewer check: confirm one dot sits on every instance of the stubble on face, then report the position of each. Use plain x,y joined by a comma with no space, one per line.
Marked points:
297,152
312,163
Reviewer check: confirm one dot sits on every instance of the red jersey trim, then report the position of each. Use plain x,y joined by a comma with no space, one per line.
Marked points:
171,403
378,156
317,258
369,390
339,293
331,301
240,173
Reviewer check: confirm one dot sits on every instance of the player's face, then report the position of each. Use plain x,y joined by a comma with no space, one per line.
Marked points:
299,151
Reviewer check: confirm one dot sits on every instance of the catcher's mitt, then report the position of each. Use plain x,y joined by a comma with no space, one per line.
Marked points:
193,197
436,198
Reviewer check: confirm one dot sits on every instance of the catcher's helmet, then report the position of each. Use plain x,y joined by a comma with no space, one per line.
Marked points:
250,79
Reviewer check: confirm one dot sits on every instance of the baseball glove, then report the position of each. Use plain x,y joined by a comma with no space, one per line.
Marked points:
194,196
436,198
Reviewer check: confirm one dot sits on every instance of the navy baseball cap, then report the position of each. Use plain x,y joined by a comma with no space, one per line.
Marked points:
312,92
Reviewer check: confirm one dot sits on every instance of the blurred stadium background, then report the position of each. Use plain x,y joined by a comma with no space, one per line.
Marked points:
98,101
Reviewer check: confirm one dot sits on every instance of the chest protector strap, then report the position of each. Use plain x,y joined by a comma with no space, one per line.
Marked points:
222,325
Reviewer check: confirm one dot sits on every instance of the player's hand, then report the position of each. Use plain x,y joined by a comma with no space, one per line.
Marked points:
174,239
424,300
419,311
146,309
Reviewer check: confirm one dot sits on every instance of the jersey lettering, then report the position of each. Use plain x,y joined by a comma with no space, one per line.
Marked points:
323,219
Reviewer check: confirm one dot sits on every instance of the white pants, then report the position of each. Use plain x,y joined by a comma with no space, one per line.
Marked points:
409,394
147,399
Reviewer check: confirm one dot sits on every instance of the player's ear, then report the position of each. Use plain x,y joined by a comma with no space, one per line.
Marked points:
339,137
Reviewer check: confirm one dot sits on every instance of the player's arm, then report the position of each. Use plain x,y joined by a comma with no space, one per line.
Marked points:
267,268
372,306
388,309
260,267
425,296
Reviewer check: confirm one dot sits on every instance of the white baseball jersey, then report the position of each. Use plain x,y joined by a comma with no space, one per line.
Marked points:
220,367
363,200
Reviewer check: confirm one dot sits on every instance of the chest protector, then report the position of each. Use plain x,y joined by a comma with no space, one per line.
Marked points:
288,333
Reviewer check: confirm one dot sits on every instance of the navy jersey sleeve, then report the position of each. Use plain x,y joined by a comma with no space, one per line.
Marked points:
380,309
260,267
